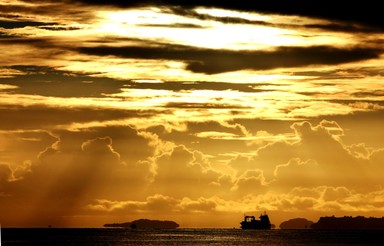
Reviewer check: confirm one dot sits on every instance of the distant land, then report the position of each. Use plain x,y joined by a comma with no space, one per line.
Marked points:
297,223
146,224
349,222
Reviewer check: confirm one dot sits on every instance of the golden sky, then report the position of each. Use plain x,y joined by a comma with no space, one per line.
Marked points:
196,112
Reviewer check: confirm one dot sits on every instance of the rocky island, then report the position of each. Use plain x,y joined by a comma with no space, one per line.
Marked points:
297,223
146,224
349,222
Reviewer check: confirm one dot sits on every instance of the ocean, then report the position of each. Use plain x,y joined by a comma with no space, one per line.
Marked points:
120,236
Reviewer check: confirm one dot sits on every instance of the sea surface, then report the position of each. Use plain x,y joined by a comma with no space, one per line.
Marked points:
120,236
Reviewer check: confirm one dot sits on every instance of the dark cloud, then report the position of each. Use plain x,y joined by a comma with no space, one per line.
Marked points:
4,35
211,61
202,85
367,13
343,27
47,81
55,8
60,28
333,73
372,93
175,25
41,116
335,26
218,105
21,24
225,19
12,39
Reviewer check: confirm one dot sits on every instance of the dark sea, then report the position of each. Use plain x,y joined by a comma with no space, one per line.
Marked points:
120,236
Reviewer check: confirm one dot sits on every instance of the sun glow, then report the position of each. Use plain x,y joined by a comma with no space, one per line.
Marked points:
152,24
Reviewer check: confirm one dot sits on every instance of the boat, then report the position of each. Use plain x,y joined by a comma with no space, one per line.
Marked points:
250,222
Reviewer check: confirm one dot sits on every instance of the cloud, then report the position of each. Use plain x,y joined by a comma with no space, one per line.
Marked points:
48,81
173,25
75,143
77,167
22,24
250,182
44,9
83,165
309,202
337,26
6,176
317,157
335,193
360,151
193,13
153,204
376,165
201,205
127,159
19,148
157,203
117,170
297,173
212,61
323,146
324,200
180,172
56,117
58,49
99,146
217,135
202,85
317,9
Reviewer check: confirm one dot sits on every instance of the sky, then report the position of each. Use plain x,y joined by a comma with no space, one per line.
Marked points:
199,112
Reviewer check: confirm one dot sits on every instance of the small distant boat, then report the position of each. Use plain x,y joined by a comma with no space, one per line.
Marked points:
250,222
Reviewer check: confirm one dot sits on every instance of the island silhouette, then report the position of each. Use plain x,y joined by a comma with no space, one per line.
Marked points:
146,224
250,222
349,222
296,223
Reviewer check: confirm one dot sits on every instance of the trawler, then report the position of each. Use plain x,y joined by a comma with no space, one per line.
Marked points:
250,222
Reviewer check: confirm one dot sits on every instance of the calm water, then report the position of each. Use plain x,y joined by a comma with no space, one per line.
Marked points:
118,236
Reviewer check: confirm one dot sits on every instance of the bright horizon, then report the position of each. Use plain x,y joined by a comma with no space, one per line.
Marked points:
197,113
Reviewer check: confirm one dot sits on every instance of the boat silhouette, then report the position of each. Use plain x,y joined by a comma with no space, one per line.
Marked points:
250,222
